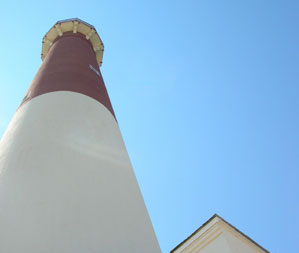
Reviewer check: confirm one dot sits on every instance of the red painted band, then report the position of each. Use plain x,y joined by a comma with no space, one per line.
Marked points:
70,65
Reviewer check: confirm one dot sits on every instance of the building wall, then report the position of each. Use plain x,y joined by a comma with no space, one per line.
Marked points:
238,244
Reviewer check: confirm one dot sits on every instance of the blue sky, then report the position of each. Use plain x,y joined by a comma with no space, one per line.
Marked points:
206,96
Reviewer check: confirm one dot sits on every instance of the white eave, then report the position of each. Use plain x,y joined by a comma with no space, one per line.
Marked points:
76,26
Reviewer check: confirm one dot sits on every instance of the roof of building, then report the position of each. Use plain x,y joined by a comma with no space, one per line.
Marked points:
216,216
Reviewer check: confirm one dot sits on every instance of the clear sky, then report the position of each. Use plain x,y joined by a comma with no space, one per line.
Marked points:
206,96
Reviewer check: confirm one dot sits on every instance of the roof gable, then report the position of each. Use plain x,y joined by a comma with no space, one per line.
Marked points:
217,235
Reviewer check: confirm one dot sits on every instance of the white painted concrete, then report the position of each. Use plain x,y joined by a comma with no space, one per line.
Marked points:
66,182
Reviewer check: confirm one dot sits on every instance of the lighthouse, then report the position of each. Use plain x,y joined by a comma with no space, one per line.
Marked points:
66,181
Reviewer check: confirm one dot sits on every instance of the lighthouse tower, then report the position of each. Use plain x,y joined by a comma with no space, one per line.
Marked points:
66,181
